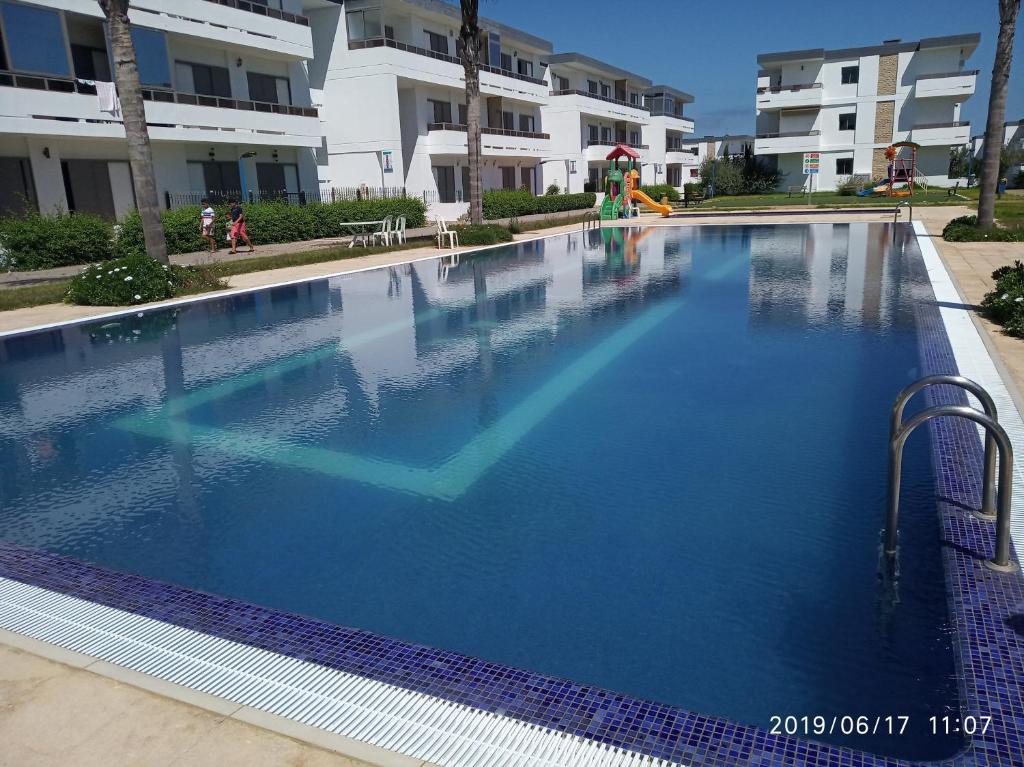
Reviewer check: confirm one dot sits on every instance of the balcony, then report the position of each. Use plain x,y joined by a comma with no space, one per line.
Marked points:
770,97
63,107
263,10
684,124
603,106
599,149
451,139
790,141
941,134
946,84
679,156
443,69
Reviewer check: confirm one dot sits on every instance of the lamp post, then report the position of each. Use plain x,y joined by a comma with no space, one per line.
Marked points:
241,172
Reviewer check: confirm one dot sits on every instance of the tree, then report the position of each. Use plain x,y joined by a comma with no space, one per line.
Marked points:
959,161
133,110
1008,10
468,47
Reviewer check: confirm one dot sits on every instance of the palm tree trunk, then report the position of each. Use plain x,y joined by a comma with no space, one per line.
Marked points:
469,52
133,109
1008,10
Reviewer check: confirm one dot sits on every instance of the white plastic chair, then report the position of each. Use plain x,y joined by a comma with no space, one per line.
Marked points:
398,232
384,233
444,232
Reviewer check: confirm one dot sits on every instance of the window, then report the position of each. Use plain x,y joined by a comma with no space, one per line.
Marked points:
674,176
17,195
269,88
203,79
525,67
592,175
594,133
463,115
35,40
88,188
389,32
90,63
465,183
151,53
508,121
606,90
634,138
526,176
506,62
848,121
592,86
444,177
844,166
277,179
526,123
606,134
442,111
217,177
850,75
493,48
563,83
634,98
438,42
363,25
508,178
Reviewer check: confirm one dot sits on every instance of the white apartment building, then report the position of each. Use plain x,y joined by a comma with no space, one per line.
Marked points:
592,107
851,104
667,160
394,111
222,79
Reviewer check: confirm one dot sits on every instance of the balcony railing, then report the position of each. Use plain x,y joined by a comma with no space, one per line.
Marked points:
782,88
588,94
387,42
937,75
961,124
789,134
221,102
263,10
489,131
609,142
45,83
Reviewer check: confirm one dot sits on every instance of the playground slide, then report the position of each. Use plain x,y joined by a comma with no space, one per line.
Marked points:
879,186
639,196
607,209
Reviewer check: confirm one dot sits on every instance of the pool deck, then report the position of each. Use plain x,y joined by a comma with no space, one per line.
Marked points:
57,706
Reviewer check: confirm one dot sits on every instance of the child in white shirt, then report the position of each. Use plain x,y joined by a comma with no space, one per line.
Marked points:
206,219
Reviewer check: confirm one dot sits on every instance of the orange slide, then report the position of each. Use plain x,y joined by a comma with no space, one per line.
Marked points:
639,196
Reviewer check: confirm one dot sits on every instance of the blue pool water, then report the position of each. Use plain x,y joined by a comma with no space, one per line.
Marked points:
648,460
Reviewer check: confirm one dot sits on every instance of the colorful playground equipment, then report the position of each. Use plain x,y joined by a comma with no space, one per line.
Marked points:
901,170
623,186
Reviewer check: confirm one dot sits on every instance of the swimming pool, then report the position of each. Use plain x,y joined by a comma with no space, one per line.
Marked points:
647,460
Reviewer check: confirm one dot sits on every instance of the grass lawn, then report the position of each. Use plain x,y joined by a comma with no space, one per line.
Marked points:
833,200
1010,211
32,295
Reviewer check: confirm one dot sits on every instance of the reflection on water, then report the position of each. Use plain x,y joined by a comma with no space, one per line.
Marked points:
652,460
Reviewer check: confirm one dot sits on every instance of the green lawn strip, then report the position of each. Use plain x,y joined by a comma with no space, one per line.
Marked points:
32,295
342,252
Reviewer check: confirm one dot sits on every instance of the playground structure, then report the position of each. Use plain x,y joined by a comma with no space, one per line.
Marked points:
621,187
901,170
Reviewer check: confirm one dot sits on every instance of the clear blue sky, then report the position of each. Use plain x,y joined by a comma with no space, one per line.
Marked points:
710,49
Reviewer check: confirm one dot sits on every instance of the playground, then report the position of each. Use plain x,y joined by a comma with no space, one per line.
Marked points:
902,176
622,193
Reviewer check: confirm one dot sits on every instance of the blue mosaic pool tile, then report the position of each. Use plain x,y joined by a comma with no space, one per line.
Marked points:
984,607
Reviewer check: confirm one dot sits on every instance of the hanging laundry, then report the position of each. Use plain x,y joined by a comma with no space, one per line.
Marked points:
107,94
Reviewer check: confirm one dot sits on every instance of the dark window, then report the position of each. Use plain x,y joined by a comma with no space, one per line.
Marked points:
438,43
389,32
506,62
508,178
592,86
634,138
675,175
444,175
606,90
17,194
634,98
277,178
268,88
526,123
526,178
90,63
206,80
35,40
563,83
151,53
848,121
442,111
87,186
465,183
606,133
508,121
363,25
594,132
525,68
844,166
222,177
850,75
493,48
463,115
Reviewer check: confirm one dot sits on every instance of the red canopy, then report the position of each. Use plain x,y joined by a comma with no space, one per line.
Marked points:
621,150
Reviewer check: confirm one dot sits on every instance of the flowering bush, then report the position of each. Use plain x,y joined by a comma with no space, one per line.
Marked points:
1005,304
135,280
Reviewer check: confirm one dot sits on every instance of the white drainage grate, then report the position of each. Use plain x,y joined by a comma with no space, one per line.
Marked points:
411,723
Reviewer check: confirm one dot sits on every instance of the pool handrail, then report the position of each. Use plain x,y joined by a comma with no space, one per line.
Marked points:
1000,561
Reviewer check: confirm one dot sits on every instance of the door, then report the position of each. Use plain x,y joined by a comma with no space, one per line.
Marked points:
87,186
16,190
444,177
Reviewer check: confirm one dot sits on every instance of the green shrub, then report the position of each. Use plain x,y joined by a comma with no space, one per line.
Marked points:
965,229
483,234
1004,304
136,279
657,191
269,222
553,189
505,204
693,188
44,242
847,186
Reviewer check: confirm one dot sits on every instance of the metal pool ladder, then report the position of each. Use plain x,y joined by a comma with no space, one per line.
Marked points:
995,438
591,220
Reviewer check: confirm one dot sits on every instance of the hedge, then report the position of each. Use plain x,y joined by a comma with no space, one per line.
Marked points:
965,229
506,204
45,242
1004,305
483,234
269,222
657,191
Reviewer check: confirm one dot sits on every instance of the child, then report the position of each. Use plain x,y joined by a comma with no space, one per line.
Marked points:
206,219
238,227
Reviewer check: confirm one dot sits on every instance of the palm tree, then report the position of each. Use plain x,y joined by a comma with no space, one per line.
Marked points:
133,109
1008,10
468,47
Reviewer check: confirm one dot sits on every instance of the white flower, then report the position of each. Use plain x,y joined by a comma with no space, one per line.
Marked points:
137,298
1018,299
140,314
128,278
1005,296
